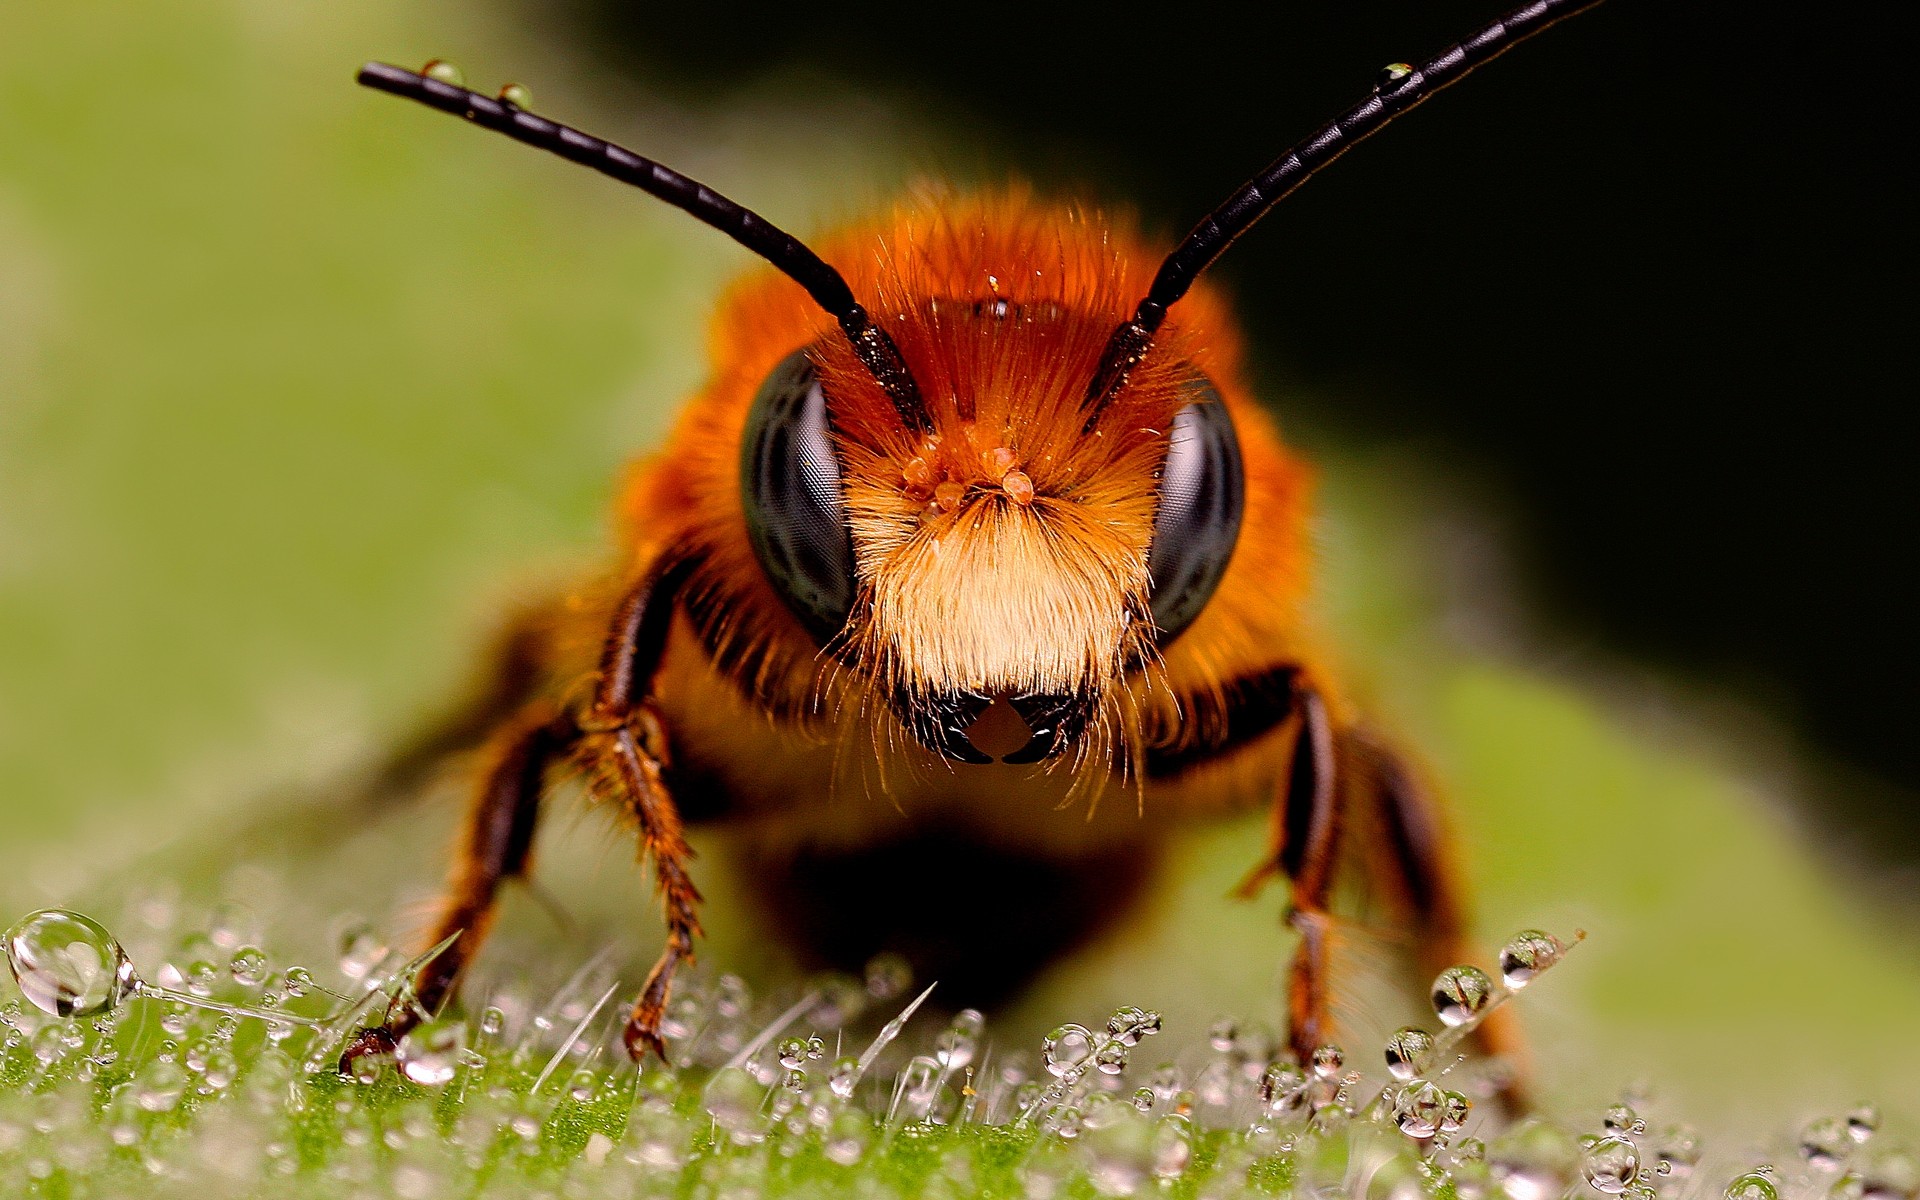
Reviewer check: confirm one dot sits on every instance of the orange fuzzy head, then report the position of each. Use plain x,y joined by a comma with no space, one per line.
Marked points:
1008,550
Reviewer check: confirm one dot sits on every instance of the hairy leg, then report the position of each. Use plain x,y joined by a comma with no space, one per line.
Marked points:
1413,856
495,845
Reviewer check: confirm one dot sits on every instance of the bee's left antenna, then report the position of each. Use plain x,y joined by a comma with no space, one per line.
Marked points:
789,254
1400,88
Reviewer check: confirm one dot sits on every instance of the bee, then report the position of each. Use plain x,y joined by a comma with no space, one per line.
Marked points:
974,558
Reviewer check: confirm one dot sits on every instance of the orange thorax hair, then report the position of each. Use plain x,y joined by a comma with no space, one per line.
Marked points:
1007,549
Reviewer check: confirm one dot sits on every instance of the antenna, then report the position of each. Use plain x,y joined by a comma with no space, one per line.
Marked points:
1400,89
789,254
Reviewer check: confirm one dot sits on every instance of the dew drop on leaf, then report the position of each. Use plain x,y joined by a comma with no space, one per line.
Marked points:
1529,953
1752,1186
68,964
1067,1049
431,1052
1409,1053
1611,1164
249,966
1460,994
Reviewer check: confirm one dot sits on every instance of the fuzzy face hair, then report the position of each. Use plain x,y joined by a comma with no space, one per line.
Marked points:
1005,551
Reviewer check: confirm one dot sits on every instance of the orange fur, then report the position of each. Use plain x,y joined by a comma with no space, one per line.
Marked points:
998,593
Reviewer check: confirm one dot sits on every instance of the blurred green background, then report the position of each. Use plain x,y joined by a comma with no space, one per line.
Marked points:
299,385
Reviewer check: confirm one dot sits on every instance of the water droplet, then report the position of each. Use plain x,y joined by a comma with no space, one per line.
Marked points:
1610,1164
1143,1099
431,1052
1678,1151
1409,1053
1390,76
1418,1108
218,1067
1328,1061
583,1086
1067,1049
1862,1123
1222,1034
68,964
516,94
848,1139
1825,1144
1110,1058
160,1086
1460,994
843,1077
445,72
733,1100
961,1041
249,966
1454,1112
1754,1185
1130,1024
361,948
1529,953
888,975
793,1052
492,1021
298,982
201,978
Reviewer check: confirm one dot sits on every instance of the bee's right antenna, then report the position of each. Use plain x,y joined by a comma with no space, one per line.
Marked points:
827,286
1400,88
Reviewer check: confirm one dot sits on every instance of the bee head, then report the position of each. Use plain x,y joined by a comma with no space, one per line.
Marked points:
1016,551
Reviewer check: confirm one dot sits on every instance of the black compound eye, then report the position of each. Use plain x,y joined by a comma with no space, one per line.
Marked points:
790,481
1202,493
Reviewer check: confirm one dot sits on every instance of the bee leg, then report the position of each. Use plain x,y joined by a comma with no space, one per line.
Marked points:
1307,835
624,751
1414,854
495,846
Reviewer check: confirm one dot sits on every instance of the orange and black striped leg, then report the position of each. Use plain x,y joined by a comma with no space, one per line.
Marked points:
1414,854
495,846
1308,832
624,752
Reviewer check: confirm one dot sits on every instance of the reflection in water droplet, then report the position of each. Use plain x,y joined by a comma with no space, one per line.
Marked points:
1678,1151
1610,1164
67,964
1409,1053
1752,1186
1390,76
431,1052
961,1041
361,948
445,72
888,975
1825,1144
1863,1122
1328,1061
1418,1109
516,94
159,1089
1460,994
1130,1024
1067,1049
249,966
1529,953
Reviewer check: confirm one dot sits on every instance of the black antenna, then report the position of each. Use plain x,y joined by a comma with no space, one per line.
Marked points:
1401,88
826,285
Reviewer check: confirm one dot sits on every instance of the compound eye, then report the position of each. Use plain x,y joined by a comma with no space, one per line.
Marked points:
790,482
1202,493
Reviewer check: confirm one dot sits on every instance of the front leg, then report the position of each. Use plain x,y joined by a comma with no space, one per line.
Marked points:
623,750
